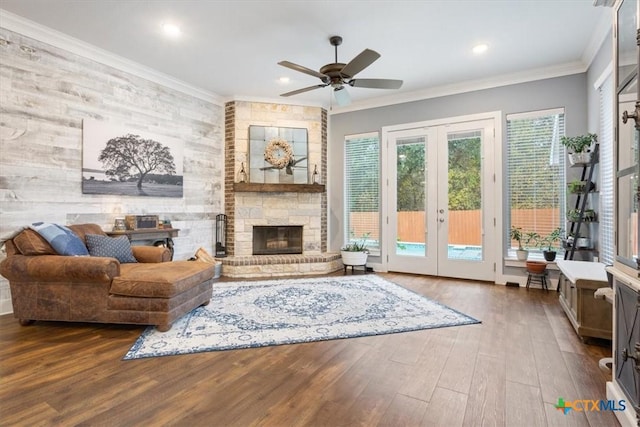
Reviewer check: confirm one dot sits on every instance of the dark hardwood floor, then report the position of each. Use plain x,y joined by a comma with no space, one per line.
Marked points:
508,371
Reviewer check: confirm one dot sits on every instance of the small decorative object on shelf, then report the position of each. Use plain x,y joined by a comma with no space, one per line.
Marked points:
242,175
119,224
315,177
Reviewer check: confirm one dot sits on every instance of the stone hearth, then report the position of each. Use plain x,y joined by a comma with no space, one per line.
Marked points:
280,265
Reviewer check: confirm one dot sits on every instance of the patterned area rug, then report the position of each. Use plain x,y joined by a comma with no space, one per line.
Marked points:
274,312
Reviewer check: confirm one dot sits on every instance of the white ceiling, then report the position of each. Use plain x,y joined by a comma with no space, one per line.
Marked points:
231,48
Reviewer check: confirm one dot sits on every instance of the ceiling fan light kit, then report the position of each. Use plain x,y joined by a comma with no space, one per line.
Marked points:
338,75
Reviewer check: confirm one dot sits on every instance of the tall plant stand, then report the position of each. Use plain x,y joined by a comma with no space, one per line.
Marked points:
581,202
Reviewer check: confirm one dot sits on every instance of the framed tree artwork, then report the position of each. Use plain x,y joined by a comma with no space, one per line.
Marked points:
119,161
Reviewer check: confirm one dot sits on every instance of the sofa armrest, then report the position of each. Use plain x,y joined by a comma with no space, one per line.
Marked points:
151,253
57,268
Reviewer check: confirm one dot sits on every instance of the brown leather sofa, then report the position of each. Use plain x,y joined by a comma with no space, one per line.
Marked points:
153,291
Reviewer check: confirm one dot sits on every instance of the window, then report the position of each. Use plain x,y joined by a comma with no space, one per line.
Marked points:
535,174
605,207
362,189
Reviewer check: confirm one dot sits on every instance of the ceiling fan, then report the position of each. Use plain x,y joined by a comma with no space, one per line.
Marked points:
338,75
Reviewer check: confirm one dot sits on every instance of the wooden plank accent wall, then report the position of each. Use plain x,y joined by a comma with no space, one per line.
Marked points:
46,92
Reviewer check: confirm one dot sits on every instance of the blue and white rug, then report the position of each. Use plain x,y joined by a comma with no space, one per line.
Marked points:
274,312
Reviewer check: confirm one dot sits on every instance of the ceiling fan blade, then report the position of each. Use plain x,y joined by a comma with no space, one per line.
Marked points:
303,70
342,96
360,62
306,89
376,83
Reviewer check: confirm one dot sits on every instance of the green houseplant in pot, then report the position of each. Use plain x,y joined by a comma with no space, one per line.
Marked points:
579,147
517,234
548,240
355,252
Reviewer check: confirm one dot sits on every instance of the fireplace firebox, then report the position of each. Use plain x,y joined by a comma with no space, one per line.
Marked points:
278,239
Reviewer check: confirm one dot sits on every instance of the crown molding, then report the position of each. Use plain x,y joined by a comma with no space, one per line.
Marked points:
60,40
280,101
468,86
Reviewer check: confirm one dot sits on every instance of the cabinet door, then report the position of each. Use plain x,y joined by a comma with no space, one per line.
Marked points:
627,337
573,299
627,164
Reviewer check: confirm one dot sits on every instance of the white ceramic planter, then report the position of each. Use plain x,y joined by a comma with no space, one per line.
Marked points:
522,255
354,258
579,158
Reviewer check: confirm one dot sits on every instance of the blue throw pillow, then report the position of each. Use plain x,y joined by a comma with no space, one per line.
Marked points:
61,238
113,247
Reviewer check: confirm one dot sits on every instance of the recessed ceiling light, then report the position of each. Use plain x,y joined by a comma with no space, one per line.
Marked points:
284,79
481,48
171,30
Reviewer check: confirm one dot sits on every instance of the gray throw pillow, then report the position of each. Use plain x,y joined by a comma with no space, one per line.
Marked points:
113,247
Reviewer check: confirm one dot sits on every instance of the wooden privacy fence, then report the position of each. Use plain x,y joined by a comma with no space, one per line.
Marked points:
464,226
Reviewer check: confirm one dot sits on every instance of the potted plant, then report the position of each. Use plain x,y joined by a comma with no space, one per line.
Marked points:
579,147
516,234
576,187
550,252
589,215
573,215
355,252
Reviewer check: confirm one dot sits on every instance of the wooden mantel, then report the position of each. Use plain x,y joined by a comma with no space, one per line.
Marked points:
245,187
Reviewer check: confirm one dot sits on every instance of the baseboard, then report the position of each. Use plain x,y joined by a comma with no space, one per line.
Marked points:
6,307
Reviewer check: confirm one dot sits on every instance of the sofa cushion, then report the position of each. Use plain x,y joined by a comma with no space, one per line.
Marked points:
61,238
82,230
113,247
162,280
31,243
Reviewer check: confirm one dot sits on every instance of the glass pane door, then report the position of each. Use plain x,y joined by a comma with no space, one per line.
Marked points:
465,201
411,249
441,200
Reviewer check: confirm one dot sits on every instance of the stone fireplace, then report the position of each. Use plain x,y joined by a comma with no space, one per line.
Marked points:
277,239
253,206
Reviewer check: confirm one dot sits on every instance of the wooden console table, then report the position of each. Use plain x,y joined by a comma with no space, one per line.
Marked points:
590,316
149,236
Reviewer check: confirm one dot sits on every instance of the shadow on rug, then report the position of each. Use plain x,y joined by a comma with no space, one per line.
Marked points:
274,312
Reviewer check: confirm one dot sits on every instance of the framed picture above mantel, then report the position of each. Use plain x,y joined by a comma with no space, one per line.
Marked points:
278,155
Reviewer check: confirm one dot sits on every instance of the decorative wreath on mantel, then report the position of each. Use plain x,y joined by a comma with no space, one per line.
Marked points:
278,153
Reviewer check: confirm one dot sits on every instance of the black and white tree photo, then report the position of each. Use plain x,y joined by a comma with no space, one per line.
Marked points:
126,163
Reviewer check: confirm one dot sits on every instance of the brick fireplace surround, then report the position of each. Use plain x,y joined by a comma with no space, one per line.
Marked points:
249,205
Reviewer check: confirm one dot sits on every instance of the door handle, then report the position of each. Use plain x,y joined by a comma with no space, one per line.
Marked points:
635,355
441,220
632,115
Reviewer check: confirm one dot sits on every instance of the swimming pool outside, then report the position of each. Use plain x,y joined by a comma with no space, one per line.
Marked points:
460,252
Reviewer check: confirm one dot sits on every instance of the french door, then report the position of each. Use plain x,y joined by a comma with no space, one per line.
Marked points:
440,200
